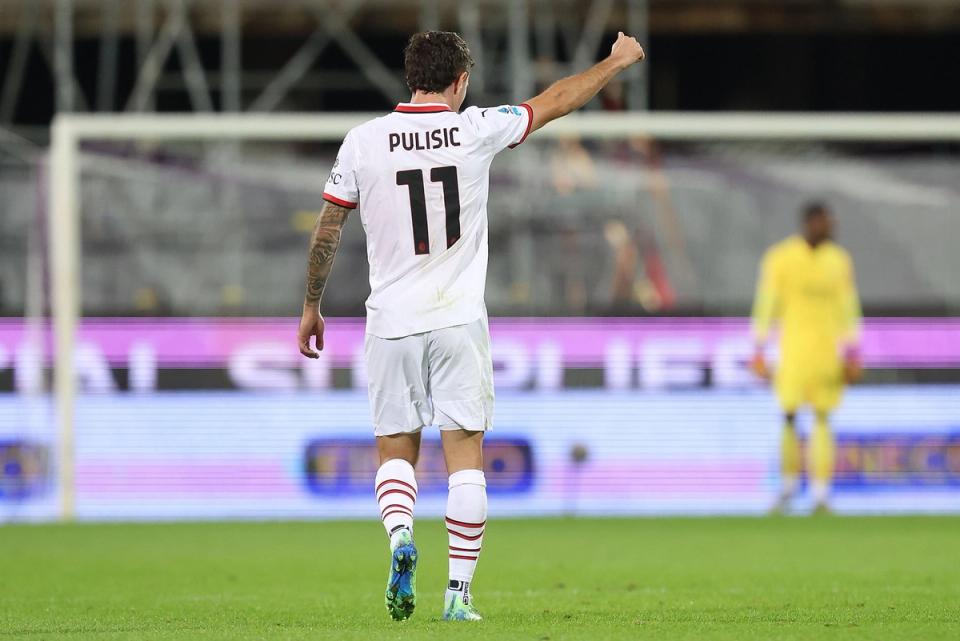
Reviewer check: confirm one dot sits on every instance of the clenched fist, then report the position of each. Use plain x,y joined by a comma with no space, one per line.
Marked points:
626,50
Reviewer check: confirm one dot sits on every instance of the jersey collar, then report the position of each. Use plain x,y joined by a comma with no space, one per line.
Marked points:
422,107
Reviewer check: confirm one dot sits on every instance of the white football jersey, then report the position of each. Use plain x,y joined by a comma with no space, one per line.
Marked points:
420,177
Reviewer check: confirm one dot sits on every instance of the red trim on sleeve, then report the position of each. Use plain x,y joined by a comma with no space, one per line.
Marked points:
339,201
526,132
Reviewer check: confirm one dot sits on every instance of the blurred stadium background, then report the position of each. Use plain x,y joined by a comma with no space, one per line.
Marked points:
624,249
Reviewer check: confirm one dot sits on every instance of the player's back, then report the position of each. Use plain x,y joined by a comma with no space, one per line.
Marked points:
420,176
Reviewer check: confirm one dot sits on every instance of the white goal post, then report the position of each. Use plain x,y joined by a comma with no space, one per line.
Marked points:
69,131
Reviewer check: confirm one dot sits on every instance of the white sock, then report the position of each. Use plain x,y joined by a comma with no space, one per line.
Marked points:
788,486
821,491
396,489
466,517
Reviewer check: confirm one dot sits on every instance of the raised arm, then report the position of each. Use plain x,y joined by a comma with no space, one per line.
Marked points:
323,248
569,94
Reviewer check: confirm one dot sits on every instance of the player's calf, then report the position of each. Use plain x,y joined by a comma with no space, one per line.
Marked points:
790,464
822,461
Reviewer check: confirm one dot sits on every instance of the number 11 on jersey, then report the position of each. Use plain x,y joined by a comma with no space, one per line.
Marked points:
413,179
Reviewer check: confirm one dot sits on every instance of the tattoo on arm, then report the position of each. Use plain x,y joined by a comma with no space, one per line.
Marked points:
323,247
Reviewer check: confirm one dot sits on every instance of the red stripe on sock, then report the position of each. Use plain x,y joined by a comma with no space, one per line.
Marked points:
411,496
397,505
384,517
452,547
464,524
464,536
412,489
465,558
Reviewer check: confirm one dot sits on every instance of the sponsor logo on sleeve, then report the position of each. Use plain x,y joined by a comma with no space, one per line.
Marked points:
335,176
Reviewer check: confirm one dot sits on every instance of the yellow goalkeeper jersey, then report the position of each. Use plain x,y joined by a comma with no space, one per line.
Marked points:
811,292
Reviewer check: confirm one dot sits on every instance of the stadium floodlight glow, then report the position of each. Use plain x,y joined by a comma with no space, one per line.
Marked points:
71,130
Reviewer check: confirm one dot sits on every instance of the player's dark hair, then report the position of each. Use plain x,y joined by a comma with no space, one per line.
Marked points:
813,210
432,60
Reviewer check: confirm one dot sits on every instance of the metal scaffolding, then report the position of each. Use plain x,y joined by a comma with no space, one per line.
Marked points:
519,45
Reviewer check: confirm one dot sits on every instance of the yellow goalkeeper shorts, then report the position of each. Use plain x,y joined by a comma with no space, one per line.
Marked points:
817,384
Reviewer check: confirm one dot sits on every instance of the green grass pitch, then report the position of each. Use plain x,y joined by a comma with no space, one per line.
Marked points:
545,580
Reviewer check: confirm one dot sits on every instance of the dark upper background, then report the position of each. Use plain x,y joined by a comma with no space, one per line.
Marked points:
819,55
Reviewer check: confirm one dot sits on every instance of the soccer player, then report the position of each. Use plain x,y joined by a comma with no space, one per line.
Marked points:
420,178
807,283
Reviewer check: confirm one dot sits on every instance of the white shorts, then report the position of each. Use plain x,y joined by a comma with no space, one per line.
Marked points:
443,377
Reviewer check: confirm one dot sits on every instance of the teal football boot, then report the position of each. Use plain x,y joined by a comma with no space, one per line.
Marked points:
457,607
401,594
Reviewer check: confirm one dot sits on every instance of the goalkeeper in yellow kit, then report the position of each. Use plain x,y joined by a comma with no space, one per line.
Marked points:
807,285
